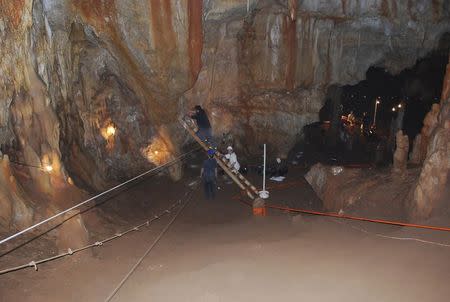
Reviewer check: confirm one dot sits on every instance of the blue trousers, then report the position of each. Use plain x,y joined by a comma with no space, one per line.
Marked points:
210,189
205,134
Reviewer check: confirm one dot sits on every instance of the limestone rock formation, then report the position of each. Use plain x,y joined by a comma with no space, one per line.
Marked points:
401,153
365,192
299,49
317,178
72,233
430,192
429,125
15,208
264,69
416,156
94,89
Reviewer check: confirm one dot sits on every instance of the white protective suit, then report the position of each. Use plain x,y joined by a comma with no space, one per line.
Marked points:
233,162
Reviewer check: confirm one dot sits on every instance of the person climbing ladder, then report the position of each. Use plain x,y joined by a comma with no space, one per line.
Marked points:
204,131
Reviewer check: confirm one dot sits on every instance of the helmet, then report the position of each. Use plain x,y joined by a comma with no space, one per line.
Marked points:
211,152
229,148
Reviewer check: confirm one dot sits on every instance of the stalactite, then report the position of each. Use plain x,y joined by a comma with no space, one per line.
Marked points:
195,37
291,40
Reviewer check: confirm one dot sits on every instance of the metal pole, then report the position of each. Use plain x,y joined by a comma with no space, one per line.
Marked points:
375,115
264,172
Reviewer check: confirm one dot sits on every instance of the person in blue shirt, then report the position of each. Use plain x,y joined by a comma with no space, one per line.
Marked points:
209,175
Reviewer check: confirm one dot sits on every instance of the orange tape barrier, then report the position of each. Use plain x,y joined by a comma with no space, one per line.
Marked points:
239,197
411,225
336,215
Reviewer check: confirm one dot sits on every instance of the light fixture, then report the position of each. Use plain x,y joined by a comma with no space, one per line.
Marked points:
48,168
110,130
399,106
393,109
378,102
156,152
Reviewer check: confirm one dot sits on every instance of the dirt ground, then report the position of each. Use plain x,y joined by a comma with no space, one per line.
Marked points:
217,251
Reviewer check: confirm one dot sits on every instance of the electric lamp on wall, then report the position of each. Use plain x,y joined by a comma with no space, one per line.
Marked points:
109,131
48,168
157,152
46,164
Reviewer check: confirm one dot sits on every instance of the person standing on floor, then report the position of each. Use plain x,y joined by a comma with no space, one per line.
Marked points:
209,175
232,160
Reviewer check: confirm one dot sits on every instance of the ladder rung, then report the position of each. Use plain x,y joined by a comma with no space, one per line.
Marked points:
238,178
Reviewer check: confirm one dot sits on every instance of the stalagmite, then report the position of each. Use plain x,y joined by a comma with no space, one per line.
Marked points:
430,192
415,156
401,153
429,124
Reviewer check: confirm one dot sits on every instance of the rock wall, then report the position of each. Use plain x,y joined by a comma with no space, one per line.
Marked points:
400,158
371,193
94,88
432,190
293,51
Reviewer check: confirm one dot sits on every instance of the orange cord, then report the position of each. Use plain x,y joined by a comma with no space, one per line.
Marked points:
336,215
411,225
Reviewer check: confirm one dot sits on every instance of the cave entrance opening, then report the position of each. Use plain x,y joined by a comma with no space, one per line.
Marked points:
358,122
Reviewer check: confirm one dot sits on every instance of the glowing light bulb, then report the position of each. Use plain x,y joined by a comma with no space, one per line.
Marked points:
48,168
393,109
156,152
111,130
378,102
399,106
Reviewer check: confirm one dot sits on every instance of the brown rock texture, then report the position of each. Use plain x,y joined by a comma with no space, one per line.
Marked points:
415,157
298,49
94,88
317,177
431,191
429,125
401,153
365,192
16,210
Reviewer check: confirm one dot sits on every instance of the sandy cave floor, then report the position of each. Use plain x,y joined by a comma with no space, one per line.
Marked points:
217,251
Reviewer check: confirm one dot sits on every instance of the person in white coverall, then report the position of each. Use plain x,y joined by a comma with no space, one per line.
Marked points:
232,159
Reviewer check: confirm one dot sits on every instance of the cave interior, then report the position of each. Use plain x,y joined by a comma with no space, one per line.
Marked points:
343,105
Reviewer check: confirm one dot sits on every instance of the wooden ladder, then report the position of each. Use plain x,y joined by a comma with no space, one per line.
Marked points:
237,177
